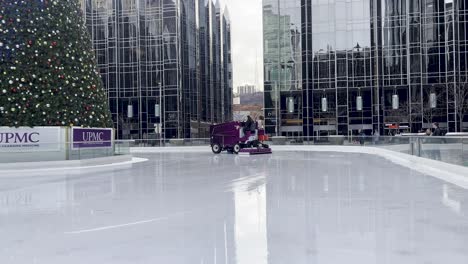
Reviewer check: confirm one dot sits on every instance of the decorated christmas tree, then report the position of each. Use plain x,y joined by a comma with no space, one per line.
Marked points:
48,73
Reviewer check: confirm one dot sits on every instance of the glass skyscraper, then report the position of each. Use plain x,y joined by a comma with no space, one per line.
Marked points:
334,67
163,62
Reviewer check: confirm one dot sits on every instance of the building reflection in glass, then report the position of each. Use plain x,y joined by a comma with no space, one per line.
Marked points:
341,50
250,211
163,52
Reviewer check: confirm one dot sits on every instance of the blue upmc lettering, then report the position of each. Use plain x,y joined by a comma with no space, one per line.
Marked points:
21,138
17,138
8,137
33,140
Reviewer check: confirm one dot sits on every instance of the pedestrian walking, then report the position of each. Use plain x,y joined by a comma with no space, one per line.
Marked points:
376,137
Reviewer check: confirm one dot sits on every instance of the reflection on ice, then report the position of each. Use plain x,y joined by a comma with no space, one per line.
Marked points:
251,238
450,200
193,208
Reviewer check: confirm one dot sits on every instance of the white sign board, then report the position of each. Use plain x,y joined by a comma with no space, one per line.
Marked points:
26,139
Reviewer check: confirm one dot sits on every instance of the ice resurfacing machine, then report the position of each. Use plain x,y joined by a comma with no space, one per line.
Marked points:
233,138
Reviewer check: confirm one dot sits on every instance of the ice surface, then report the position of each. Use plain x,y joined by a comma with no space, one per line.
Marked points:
291,207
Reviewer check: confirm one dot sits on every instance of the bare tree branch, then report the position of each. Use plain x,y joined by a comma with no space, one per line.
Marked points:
397,116
428,113
459,93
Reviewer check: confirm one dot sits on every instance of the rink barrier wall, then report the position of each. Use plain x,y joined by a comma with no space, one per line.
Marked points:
38,144
454,174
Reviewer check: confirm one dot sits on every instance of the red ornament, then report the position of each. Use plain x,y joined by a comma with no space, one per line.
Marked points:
30,42
14,90
54,43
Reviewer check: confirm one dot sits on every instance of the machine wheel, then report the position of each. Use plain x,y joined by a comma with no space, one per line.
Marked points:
236,149
216,148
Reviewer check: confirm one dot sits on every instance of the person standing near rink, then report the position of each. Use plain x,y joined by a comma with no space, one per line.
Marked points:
362,137
376,137
436,133
260,122
428,132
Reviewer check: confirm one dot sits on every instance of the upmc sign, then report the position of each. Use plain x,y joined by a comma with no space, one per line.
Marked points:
26,139
91,138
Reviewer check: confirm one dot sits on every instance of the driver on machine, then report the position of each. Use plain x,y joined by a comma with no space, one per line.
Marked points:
250,128
249,125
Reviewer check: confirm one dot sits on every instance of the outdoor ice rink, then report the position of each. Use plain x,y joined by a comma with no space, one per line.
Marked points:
197,208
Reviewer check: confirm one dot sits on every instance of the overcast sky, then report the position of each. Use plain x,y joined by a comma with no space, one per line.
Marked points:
247,41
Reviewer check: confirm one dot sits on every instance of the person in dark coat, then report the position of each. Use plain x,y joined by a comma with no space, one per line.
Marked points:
249,125
362,137
437,132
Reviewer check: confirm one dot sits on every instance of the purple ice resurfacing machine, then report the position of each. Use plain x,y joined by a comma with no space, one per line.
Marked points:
233,138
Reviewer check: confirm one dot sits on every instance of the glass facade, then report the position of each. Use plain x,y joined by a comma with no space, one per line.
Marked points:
163,60
322,58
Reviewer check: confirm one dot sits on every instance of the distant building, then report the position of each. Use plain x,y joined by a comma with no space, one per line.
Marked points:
242,111
246,89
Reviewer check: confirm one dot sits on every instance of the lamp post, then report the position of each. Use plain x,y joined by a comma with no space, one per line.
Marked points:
290,106
130,110
324,102
278,110
433,99
158,113
359,102
395,100
129,118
